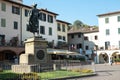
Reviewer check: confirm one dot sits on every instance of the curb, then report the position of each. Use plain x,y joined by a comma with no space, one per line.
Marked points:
73,77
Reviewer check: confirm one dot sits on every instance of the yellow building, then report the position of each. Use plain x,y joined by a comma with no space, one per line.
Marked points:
62,29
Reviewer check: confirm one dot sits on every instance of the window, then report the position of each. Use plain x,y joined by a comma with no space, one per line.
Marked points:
3,22
50,18
119,44
42,29
42,17
87,47
107,44
96,37
58,27
63,27
85,38
107,32
64,38
106,20
118,18
15,10
79,35
3,7
27,28
59,37
72,36
50,31
15,25
79,46
118,30
26,12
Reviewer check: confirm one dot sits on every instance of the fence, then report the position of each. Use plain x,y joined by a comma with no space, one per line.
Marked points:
45,71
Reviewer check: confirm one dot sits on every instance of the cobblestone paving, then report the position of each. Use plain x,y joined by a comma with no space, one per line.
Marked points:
104,72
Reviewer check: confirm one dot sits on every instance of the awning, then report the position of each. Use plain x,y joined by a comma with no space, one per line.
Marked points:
62,52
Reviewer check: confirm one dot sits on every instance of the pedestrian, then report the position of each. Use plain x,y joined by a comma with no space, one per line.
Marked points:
111,61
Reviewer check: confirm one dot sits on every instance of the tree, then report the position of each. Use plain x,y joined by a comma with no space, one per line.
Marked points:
78,24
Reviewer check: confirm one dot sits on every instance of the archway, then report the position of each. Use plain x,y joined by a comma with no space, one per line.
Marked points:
7,56
103,58
115,55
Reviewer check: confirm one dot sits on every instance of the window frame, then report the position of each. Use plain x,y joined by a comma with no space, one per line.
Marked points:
3,7
3,22
50,31
15,25
42,29
118,18
106,20
63,28
58,26
50,19
107,32
15,10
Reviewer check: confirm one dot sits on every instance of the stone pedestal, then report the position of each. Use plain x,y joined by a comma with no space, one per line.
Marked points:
35,53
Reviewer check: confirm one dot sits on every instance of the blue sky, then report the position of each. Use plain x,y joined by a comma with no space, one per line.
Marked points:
83,10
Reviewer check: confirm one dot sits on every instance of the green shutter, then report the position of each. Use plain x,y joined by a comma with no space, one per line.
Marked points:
50,31
3,7
3,23
118,30
106,20
107,32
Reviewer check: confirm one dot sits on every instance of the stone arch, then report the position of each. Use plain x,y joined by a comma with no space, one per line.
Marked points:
103,57
22,52
115,55
7,56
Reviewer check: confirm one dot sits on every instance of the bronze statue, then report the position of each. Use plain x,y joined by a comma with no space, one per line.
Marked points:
34,20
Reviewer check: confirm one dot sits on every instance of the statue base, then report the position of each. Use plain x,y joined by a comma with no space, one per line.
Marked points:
35,53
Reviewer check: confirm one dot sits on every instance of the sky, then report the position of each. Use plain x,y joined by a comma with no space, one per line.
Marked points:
72,10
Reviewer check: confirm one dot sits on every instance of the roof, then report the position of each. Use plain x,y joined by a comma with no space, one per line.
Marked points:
63,22
17,3
83,30
45,10
110,13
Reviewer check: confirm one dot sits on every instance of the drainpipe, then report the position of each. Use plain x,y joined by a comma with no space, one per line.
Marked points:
21,25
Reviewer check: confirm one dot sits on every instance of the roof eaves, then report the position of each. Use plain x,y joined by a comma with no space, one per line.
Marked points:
64,22
110,13
45,10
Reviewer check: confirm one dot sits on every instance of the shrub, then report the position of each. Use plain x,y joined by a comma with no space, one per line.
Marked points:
1,70
29,76
82,70
117,60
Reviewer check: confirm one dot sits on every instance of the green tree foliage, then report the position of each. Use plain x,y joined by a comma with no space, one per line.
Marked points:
79,24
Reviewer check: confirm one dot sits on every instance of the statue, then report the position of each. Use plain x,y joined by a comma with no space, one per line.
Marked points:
34,20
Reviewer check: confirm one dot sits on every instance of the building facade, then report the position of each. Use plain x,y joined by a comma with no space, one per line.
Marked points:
109,33
14,18
84,41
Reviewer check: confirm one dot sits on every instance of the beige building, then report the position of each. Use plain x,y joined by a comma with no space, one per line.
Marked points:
15,18
62,29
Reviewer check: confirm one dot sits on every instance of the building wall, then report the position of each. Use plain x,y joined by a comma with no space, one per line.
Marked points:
53,25
62,33
91,42
73,42
22,20
113,26
9,31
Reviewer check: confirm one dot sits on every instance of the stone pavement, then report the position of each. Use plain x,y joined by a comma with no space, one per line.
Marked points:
104,72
